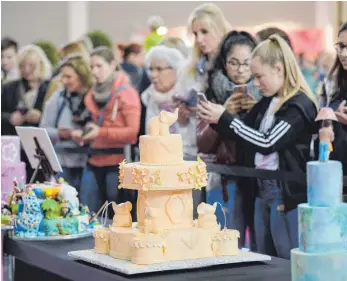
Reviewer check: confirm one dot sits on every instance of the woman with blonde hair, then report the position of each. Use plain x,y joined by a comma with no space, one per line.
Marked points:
276,134
75,47
209,26
64,112
22,100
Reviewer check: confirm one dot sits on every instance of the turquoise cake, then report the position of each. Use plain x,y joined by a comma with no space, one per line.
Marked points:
324,183
322,252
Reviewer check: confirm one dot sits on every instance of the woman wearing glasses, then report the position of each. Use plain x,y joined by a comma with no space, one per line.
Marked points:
334,95
230,83
165,66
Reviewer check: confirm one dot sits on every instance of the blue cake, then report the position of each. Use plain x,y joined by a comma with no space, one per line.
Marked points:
322,252
50,210
324,183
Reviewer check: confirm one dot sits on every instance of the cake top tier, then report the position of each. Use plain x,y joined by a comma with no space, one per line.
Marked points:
160,147
324,183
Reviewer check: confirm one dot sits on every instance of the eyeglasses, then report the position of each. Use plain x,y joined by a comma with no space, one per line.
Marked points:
235,65
158,69
339,46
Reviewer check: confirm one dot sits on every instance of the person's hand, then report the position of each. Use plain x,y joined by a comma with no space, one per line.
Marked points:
341,113
210,112
64,133
33,116
76,136
92,132
233,103
248,102
183,114
17,118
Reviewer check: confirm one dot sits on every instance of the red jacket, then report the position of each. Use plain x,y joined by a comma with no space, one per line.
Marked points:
124,129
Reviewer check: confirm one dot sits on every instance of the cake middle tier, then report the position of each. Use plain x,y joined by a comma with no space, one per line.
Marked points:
187,175
322,229
165,209
161,149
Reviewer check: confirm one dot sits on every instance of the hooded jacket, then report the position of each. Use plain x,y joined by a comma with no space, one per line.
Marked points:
290,136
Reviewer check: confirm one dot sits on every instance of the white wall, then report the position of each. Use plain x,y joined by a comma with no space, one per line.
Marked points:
30,21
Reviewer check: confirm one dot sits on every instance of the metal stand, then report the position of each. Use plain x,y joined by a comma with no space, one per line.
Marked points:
47,169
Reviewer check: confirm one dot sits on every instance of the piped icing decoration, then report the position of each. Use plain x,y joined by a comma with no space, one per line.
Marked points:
145,179
198,176
102,233
121,173
122,215
229,234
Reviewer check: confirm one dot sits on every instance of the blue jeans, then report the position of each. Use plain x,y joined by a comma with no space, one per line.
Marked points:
100,184
276,231
239,219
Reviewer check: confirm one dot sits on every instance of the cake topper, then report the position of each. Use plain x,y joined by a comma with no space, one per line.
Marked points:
326,133
159,125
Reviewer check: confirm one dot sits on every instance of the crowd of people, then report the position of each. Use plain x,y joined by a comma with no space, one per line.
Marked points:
260,109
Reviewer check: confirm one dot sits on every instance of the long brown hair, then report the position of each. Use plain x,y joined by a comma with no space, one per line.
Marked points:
341,73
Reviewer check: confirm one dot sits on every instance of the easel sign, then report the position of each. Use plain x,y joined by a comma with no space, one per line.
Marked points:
39,149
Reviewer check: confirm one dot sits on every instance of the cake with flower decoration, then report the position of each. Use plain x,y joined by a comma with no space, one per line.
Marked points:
48,209
11,166
165,230
322,252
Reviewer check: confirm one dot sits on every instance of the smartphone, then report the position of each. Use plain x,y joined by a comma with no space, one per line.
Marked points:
241,89
201,97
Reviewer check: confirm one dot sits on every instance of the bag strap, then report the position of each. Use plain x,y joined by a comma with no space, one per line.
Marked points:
103,110
61,107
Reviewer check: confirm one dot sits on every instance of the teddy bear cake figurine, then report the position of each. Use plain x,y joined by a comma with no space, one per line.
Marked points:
326,133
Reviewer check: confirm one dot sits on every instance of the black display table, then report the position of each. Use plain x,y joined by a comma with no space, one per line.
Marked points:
48,260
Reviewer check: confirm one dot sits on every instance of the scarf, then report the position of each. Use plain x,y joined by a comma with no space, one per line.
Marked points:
223,87
102,91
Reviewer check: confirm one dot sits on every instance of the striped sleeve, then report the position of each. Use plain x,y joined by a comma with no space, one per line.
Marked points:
284,131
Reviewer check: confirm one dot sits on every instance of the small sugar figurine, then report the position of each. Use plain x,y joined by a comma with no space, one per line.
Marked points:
326,133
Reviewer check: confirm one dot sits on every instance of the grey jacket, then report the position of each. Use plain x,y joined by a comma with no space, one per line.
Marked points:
48,121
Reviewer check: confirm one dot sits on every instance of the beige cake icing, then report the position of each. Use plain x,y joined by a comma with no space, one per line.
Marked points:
102,240
165,230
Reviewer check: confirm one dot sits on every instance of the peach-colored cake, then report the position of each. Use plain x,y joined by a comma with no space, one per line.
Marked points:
165,230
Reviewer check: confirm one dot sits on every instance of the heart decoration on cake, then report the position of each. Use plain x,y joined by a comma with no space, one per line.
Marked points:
175,209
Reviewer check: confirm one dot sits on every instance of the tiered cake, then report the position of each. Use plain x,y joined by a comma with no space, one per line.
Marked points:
322,252
11,166
165,229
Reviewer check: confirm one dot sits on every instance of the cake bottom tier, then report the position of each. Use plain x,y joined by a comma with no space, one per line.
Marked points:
319,266
175,244
322,229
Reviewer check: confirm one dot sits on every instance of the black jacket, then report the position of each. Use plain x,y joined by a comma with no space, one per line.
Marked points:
340,143
290,136
10,97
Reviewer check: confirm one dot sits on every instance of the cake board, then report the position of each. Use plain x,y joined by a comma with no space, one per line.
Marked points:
55,238
129,268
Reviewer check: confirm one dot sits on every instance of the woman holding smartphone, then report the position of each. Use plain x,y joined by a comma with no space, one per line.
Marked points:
64,112
276,135
231,84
